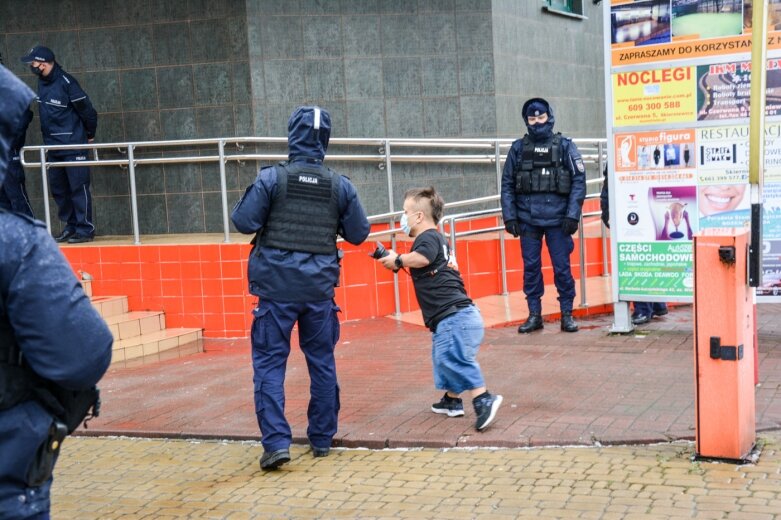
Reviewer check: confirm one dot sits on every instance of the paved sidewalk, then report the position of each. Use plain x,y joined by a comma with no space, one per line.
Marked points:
587,388
112,478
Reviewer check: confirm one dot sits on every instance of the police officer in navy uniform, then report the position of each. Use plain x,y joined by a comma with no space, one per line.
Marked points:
67,117
296,209
54,347
543,188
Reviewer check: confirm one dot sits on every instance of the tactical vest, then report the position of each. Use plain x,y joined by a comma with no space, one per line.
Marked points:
541,168
304,215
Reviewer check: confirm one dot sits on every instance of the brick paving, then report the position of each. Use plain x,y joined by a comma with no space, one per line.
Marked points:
588,388
130,478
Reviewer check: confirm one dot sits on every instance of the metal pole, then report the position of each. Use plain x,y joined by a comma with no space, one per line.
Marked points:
396,294
453,236
502,245
582,263
224,192
602,228
389,177
757,136
131,168
45,184
389,174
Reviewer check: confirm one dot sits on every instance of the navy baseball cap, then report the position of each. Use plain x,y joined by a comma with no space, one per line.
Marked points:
536,108
38,53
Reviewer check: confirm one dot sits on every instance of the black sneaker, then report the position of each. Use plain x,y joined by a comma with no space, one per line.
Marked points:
641,319
450,406
274,459
486,406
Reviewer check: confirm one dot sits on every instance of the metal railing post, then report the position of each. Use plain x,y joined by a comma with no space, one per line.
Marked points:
224,192
45,185
502,245
389,177
396,292
581,239
603,229
131,169
453,235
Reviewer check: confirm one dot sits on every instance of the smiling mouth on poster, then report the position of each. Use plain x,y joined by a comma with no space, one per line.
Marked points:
678,96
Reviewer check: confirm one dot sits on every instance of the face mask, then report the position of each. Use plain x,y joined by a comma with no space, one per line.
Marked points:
541,129
404,223
36,71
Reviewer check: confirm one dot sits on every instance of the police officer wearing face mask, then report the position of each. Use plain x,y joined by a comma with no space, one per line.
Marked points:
296,209
543,188
67,117
54,347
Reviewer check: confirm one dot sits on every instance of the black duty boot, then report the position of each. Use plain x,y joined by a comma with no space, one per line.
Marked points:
533,322
568,323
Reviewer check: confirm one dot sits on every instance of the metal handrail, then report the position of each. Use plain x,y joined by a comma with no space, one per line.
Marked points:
592,150
450,221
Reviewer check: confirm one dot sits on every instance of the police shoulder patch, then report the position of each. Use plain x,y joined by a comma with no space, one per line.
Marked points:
579,165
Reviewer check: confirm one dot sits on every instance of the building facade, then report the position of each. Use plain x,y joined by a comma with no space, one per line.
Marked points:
183,69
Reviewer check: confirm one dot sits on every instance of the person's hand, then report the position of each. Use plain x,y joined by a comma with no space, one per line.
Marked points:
91,140
513,227
388,260
569,225
606,218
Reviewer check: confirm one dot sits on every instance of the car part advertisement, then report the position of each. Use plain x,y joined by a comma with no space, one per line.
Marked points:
679,100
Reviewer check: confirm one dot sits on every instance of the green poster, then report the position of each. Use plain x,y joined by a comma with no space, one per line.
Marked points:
655,268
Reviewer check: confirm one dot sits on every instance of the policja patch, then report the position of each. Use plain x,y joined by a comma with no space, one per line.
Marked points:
579,164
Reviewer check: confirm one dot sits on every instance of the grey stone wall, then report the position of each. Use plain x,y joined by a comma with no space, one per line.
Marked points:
541,54
176,69
170,69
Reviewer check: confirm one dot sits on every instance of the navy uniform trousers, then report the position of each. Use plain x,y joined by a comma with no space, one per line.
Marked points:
71,191
560,246
318,333
13,195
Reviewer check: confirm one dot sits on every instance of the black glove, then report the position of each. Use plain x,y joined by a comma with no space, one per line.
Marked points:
513,227
569,225
606,218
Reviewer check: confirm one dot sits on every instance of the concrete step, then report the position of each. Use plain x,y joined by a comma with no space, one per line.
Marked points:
108,306
131,324
157,342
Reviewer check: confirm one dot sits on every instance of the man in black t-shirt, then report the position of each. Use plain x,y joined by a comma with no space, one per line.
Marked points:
447,310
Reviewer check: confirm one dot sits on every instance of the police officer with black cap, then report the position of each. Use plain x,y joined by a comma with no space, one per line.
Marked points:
296,209
67,117
54,347
543,188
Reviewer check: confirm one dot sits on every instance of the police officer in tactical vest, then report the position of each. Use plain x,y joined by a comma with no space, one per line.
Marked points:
543,187
296,209
54,347
13,193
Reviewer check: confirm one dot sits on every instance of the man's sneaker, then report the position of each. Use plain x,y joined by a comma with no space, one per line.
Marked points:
486,406
274,459
450,406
